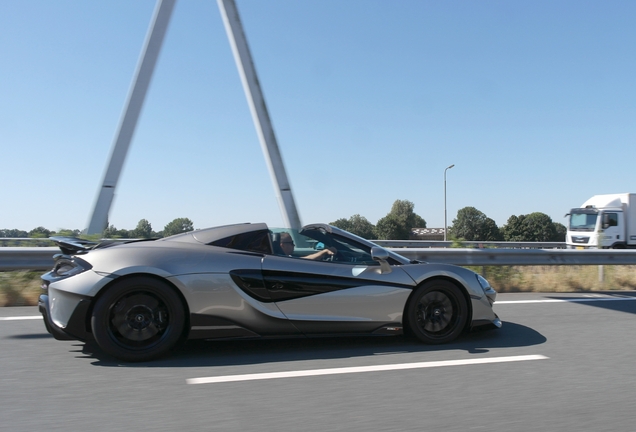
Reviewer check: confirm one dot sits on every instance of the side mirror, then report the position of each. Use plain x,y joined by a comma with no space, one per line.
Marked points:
381,255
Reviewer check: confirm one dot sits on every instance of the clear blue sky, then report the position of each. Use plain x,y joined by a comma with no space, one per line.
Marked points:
533,101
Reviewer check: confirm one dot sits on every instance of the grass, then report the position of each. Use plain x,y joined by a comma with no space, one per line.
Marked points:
19,288
22,288
559,278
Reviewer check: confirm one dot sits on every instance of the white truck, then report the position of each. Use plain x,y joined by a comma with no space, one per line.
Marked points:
603,221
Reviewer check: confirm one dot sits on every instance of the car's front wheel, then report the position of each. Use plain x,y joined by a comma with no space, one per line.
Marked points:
138,319
437,313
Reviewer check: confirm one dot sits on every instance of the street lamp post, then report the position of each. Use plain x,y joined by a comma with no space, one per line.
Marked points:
445,223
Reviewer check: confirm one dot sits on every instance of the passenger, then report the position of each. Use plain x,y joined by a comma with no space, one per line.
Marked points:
287,245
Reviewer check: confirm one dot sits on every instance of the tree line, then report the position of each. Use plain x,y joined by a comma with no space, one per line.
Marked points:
469,225
142,230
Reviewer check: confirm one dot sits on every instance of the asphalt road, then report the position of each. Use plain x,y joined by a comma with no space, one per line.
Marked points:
555,365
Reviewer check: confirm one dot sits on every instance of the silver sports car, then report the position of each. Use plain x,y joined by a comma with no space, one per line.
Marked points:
138,299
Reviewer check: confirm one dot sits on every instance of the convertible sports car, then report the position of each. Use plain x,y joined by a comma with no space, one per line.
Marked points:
139,299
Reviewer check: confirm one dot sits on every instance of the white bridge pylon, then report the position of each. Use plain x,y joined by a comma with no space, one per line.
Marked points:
143,74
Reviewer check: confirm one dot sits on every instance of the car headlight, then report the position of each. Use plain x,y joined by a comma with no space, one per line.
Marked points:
489,291
483,282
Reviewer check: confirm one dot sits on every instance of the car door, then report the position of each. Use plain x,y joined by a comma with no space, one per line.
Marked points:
345,297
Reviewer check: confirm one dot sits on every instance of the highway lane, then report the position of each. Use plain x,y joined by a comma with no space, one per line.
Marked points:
579,377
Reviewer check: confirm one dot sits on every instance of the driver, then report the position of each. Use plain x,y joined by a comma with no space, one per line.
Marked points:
287,245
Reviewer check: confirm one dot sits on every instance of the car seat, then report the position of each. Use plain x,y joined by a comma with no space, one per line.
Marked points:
276,244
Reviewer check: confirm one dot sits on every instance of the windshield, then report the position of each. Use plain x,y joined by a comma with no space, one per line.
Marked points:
583,221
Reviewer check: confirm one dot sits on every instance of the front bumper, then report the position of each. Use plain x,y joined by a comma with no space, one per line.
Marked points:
493,323
77,327
484,316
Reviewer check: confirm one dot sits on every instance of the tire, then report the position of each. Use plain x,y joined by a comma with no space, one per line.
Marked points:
138,319
437,312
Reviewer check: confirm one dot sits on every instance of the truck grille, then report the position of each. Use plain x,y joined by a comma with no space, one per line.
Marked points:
580,239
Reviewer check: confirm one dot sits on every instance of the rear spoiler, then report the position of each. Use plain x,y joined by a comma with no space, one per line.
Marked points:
73,245
78,246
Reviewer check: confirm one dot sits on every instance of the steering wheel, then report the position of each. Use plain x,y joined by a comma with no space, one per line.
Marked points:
333,257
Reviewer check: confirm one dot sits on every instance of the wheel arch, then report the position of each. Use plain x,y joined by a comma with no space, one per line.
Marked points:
184,303
458,284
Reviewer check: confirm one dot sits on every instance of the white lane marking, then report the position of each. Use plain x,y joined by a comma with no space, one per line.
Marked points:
358,369
17,318
573,300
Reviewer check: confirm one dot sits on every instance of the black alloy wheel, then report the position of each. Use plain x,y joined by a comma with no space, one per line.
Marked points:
138,319
437,312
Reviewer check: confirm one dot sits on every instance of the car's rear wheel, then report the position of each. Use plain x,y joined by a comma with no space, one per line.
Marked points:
138,319
437,312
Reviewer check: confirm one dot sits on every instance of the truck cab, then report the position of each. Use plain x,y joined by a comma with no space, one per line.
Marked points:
591,227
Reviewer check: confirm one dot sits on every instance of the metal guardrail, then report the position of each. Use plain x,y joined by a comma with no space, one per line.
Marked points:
41,258
27,242
24,239
27,258
383,243
520,257
471,244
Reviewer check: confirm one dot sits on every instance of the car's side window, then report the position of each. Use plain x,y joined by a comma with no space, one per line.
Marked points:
257,241
350,252
321,245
